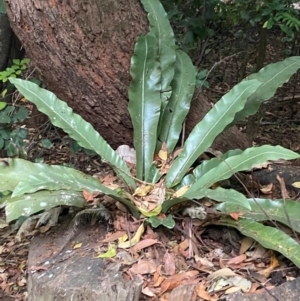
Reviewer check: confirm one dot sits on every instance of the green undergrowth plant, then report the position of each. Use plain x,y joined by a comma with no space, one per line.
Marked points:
12,137
15,70
163,83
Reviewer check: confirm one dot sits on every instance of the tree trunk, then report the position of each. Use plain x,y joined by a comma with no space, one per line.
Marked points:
82,50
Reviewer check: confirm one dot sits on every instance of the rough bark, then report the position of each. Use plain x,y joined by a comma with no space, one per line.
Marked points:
82,50
5,41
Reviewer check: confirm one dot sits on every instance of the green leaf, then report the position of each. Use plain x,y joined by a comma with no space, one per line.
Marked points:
27,205
21,114
25,61
21,176
283,211
167,204
2,7
16,61
242,161
144,101
183,86
167,222
160,26
209,128
268,237
61,115
2,105
272,77
228,196
46,143
207,165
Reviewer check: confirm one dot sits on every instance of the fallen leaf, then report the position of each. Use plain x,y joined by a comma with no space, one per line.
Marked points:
110,253
135,239
246,244
235,215
175,280
202,292
225,272
237,259
110,237
169,266
142,190
144,267
145,243
88,196
181,191
273,264
163,155
77,246
148,292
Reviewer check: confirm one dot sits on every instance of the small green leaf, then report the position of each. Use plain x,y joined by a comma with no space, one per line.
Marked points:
25,61
46,143
21,114
154,221
16,61
74,146
167,222
2,105
3,93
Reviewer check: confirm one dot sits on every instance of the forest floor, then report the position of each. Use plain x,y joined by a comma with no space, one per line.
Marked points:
279,124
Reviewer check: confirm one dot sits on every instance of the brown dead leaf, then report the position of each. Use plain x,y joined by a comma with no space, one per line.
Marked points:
225,272
235,215
44,229
237,259
148,292
145,243
283,189
22,282
246,243
273,264
144,267
266,189
202,292
175,280
110,237
169,266
158,281
88,196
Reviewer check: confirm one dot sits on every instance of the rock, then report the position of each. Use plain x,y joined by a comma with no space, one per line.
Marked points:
76,274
